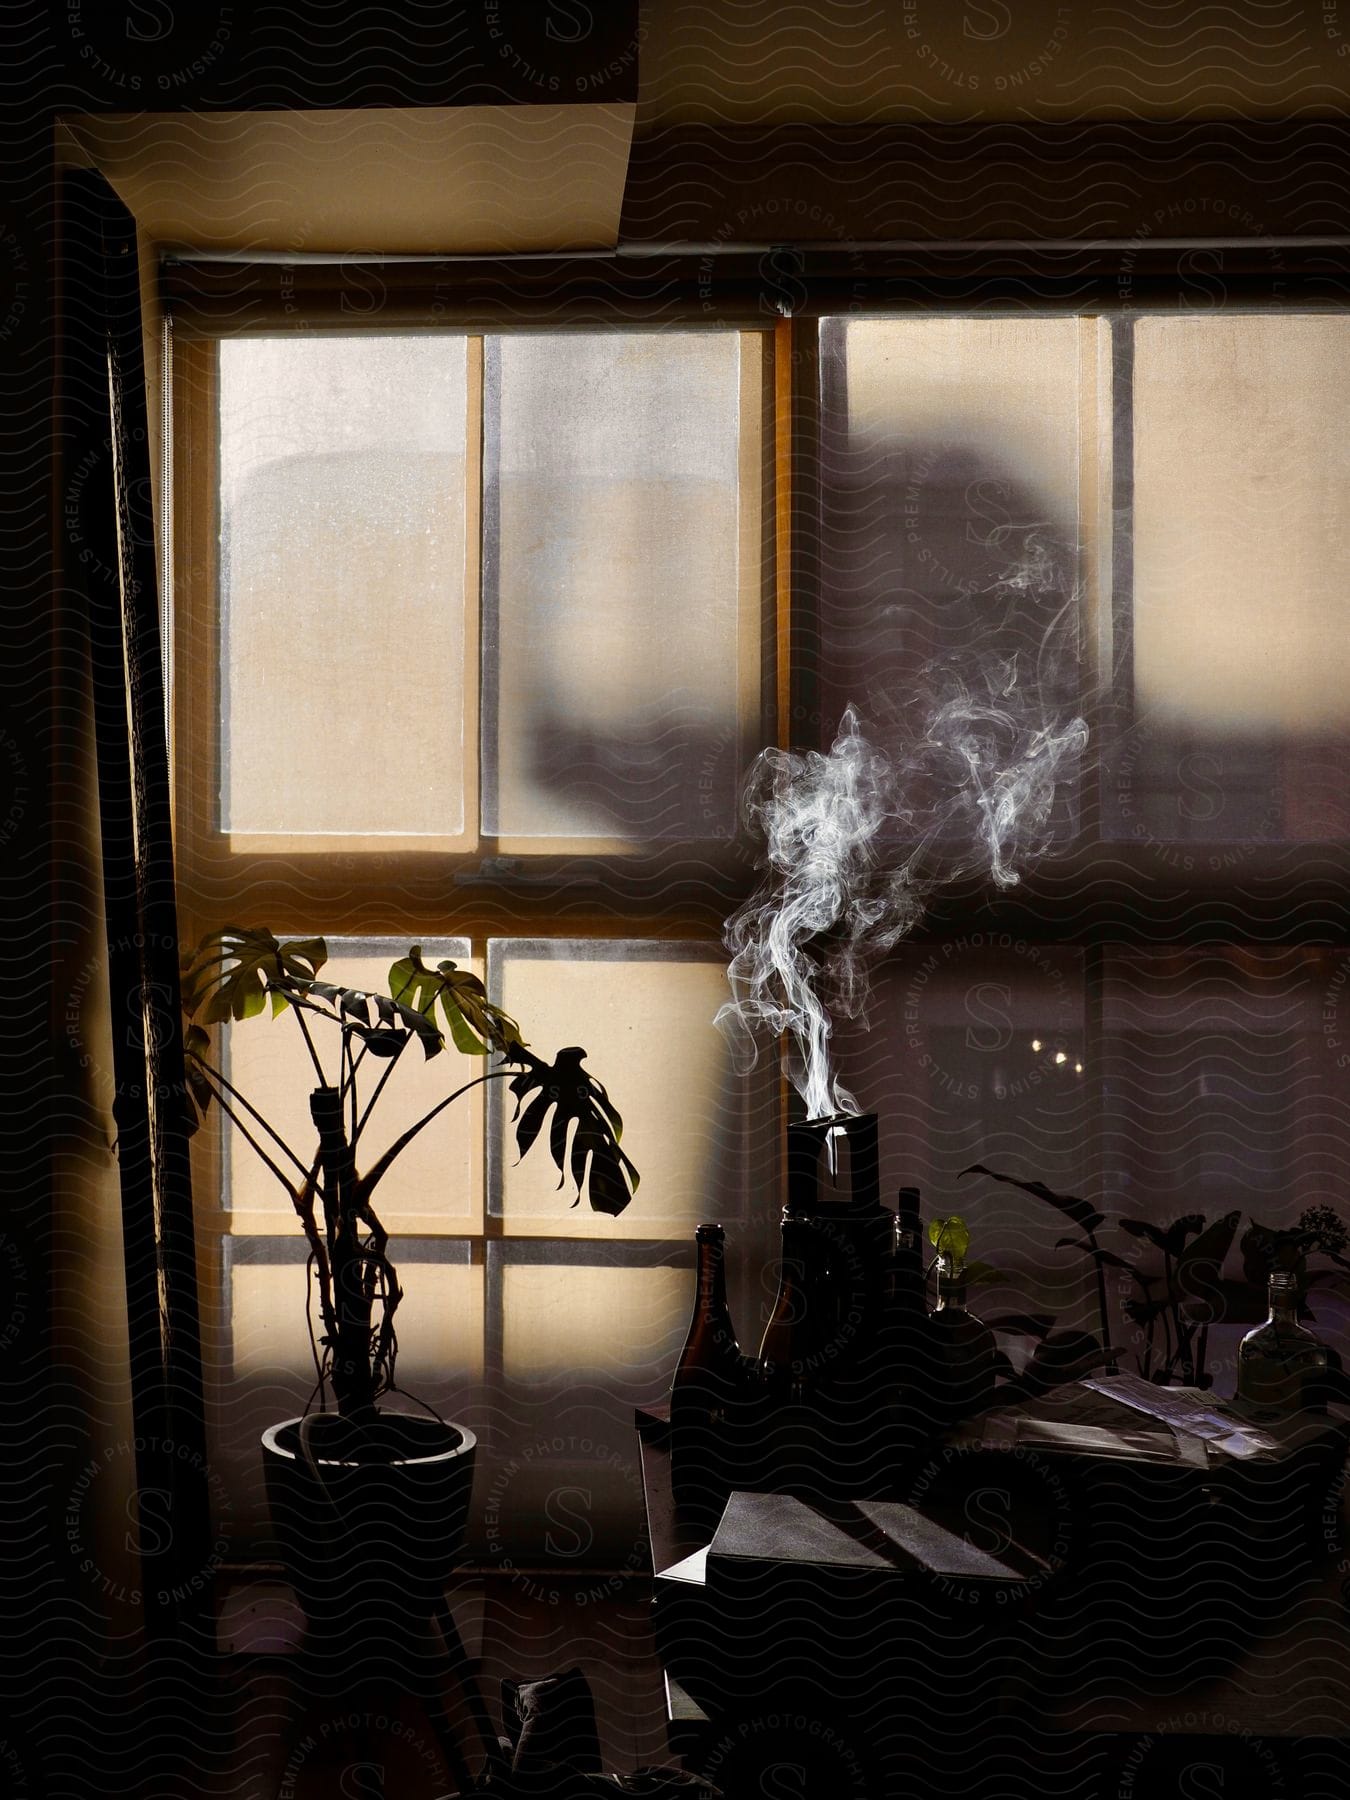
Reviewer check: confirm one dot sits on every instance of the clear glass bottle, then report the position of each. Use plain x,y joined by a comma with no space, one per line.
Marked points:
1281,1364
958,1364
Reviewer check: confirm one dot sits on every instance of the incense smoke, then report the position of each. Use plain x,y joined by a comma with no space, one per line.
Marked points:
958,777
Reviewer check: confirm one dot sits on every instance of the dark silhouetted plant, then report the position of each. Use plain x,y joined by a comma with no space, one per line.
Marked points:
235,974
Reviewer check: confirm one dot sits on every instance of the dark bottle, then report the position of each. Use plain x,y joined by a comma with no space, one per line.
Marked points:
708,1375
904,1306
1281,1365
905,1277
709,1379
789,1364
957,1356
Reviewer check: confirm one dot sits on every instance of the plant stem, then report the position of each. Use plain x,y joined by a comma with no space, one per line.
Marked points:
388,1070
353,1376
309,1044
304,1206
1102,1317
246,1134
350,1061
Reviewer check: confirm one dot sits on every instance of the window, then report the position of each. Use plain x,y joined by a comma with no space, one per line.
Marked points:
477,634
474,637
1130,1022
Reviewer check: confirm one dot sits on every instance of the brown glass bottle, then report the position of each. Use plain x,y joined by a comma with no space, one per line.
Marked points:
708,1375
787,1352
957,1357
709,1378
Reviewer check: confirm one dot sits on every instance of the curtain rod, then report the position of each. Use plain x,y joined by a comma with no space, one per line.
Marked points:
723,247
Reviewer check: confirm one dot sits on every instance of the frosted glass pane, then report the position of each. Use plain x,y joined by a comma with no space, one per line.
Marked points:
1241,621
612,585
611,1327
1225,1092
950,472
436,1180
581,1346
643,1013
439,1322
977,1052
342,584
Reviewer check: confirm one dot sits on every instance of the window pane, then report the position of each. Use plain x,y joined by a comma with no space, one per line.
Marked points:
1240,651
644,1013
439,1323
1225,1091
436,1183
612,585
581,1346
1225,1081
342,474
950,508
596,1327
978,1053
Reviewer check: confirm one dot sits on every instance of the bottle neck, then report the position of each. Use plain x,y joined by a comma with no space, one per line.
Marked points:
951,1290
712,1278
1283,1303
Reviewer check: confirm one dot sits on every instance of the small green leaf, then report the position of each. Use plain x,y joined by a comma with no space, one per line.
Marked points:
950,1238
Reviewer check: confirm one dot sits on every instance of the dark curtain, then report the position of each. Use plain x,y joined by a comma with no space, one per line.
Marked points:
103,441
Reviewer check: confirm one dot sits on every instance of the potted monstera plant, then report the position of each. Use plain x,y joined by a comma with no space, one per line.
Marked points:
369,1503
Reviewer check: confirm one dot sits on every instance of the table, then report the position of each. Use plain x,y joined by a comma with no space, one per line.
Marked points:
871,1700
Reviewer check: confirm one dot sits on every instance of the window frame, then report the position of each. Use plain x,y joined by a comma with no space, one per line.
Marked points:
644,890
448,892
1112,915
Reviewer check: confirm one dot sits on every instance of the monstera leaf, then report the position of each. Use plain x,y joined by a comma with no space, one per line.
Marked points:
200,1093
581,1107
386,1034
229,976
231,972
476,1026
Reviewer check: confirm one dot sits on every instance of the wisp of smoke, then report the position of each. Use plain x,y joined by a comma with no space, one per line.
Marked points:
856,841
